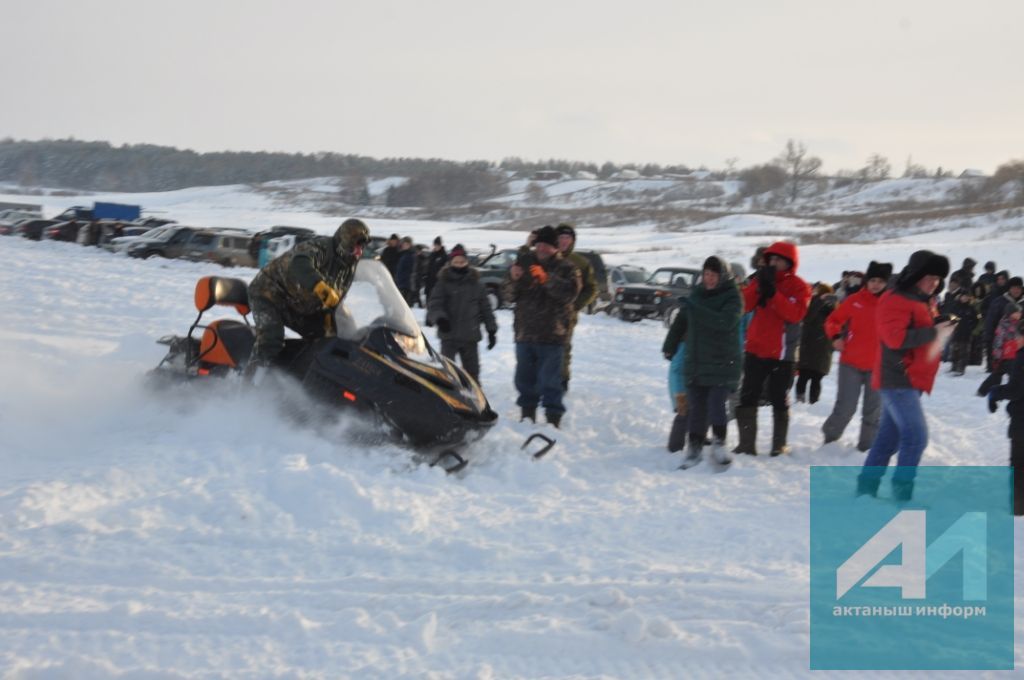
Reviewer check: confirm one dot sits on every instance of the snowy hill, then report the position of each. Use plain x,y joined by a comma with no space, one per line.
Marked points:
210,535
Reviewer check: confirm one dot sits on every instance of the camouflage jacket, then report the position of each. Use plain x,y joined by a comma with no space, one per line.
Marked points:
543,312
589,290
290,278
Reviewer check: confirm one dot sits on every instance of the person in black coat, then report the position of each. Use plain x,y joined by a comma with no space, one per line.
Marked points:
438,258
1013,392
458,305
389,256
815,360
965,308
405,268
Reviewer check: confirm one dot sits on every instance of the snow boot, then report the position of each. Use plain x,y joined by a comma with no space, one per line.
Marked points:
553,418
746,423
780,431
902,491
867,486
677,436
694,453
528,413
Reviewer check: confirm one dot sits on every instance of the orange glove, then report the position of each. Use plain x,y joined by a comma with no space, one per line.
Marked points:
538,274
327,294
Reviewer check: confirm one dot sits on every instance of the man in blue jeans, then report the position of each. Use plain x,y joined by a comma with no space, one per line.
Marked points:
543,285
911,346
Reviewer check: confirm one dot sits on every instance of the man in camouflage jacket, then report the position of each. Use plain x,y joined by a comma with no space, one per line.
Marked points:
566,244
543,285
301,289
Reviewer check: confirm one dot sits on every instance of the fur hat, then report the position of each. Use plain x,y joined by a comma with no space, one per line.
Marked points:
548,235
921,264
879,270
1015,281
821,288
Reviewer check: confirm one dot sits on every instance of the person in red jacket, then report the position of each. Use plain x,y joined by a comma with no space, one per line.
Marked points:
910,348
779,299
852,329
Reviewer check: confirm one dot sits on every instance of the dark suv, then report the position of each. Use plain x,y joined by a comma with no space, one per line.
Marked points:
171,242
658,296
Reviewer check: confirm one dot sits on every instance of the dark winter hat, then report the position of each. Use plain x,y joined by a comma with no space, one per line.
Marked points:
969,263
990,266
1002,272
457,251
437,240
393,237
758,254
879,270
547,234
713,264
564,228
1015,281
921,264
1011,308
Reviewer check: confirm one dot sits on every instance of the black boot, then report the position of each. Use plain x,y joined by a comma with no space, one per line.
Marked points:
868,486
718,433
553,418
677,436
528,413
746,423
902,491
780,431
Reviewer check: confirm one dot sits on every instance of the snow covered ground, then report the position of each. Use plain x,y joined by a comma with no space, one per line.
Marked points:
208,535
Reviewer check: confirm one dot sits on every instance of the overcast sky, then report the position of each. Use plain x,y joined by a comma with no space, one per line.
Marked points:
645,80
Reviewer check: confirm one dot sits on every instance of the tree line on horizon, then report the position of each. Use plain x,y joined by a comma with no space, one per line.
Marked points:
432,182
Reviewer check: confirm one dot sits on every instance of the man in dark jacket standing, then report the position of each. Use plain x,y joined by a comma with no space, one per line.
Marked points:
301,289
437,260
779,299
566,244
458,305
543,285
390,254
405,268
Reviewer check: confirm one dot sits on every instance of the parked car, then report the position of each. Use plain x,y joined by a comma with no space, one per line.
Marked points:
657,296
227,248
258,245
170,243
621,276
64,231
130,235
32,229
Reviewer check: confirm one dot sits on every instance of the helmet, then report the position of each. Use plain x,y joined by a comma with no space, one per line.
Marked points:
351,233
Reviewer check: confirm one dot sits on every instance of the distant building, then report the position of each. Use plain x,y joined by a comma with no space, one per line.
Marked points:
546,175
583,174
971,172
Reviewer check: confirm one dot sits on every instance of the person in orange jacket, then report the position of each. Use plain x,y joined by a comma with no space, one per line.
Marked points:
778,299
854,333
910,349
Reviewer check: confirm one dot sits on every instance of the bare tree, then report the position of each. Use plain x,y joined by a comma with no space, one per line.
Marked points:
535,193
877,168
798,165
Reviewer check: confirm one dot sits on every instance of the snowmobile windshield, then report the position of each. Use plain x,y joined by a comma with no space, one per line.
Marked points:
373,301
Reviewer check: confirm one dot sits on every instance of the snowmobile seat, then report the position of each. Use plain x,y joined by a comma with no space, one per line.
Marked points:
221,290
226,343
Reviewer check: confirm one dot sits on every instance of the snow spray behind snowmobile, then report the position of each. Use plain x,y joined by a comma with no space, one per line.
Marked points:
377,362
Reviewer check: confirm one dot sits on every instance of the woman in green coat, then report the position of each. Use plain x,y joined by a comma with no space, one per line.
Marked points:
713,358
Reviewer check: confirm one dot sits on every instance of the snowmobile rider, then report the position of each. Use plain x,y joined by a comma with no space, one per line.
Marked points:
301,289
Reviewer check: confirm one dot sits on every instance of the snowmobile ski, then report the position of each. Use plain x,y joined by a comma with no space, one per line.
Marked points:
541,452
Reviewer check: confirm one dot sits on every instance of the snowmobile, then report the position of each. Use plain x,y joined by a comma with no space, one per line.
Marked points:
375,361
